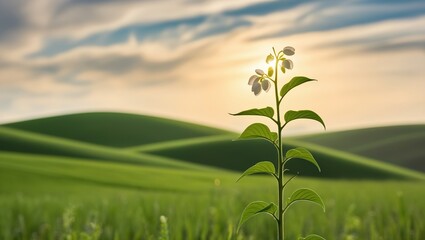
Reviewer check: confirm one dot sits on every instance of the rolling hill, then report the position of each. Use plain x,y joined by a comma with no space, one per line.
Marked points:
399,145
114,129
239,155
18,141
151,141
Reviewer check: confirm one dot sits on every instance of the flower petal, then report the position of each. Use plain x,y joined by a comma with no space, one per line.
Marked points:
259,72
289,51
288,64
266,85
256,88
252,79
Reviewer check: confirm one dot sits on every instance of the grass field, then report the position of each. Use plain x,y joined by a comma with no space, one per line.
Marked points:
57,186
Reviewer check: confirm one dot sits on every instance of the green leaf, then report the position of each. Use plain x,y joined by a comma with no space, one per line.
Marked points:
301,153
305,194
267,112
259,130
261,167
302,114
295,81
255,208
270,71
269,58
312,237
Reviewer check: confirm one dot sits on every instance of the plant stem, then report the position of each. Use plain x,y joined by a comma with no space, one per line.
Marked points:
280,222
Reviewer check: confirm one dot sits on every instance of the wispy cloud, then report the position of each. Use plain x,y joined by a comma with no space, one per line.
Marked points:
191,59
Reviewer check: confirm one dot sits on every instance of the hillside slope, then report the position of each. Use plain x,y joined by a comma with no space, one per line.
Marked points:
400,145
115,137
114,129
12,140
239,155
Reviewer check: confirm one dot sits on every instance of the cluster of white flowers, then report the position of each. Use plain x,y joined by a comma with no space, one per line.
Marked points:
260,81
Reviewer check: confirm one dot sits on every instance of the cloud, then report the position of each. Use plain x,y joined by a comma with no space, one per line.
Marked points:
328,15
180,31
26,26
79,19
191,59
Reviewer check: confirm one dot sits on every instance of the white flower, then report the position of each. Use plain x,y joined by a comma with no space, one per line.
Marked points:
259,72
256,88
288,64
266,85
252,79
258,82
289,51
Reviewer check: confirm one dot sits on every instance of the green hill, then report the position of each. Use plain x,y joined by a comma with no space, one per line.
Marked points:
114,129
239,155
151,141
12,140
400,145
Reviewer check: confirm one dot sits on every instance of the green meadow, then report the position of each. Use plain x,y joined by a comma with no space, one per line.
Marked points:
113,175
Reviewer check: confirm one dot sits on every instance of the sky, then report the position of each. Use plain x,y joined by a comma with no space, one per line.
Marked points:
191,59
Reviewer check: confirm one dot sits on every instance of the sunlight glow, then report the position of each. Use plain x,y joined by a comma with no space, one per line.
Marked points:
145,68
